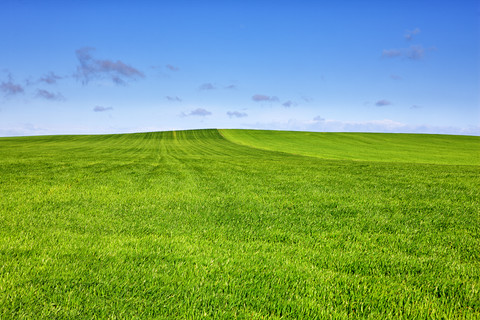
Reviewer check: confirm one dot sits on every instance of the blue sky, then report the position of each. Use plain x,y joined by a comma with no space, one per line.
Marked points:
75,67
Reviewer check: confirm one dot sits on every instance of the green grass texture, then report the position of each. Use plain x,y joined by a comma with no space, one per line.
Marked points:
234,224
386,147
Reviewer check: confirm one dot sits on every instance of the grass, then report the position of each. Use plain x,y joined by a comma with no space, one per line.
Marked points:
386,147
208,224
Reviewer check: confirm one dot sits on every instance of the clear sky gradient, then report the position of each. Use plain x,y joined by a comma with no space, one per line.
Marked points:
76,67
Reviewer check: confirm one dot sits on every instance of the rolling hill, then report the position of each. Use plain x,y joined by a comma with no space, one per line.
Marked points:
240,224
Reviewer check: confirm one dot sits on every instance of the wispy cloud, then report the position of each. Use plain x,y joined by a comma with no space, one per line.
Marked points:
415,52
382,103
415,107
262,97
236,114
101,109
118,81
391,53
44,94
232,86
9,88
90,68
50,78
307,99
395,77
318,119
288,104
175,99
172,68
207,86
200,112
410,33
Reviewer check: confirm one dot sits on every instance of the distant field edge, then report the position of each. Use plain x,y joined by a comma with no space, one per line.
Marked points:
356,146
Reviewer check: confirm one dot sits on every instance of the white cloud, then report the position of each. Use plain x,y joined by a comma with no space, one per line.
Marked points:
237,114
91,68
44,94
101,109
200,112
288,104
50,78
410,33
9,88
262,97
207,86
172,68
173,98
382,103
416,52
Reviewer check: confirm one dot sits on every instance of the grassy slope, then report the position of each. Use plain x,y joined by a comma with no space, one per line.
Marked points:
416,148
188,225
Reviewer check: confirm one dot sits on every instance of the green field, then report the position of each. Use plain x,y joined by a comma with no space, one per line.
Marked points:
240,224
416,148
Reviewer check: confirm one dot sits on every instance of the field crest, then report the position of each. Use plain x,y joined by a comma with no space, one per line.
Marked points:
414,148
